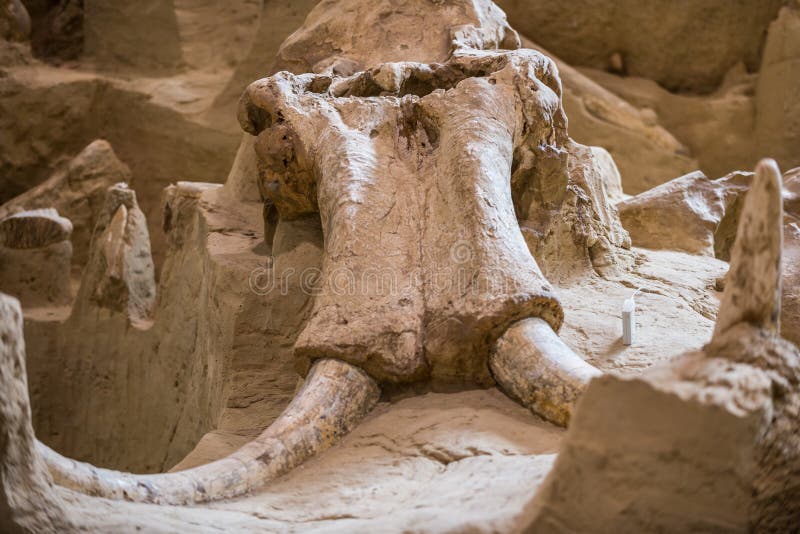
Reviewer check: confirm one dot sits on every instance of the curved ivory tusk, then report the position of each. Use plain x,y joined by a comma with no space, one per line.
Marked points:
534,367
333,400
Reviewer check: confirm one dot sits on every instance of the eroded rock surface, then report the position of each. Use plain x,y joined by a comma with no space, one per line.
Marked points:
692,213
15,23
397,471
141,36
52,114
707,441
714,130
646,153
77,191
56,29
326,43
778,90
685,46
35,257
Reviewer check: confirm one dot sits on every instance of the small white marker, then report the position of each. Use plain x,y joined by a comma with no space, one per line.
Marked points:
629,319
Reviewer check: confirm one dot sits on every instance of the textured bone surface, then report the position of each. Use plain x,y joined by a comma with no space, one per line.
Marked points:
119,272
35,257
646,153
28,502
535,367
413,192
34,229
412,167
334,398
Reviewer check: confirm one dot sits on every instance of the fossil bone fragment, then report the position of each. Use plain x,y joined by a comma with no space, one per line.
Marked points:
35,255
119,272
334,398
417,172
77,191
413,186
443,200
412,168
27,502
537,369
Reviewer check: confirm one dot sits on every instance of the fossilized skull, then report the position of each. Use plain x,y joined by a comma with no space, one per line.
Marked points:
420,174
433,183
436,185
410,167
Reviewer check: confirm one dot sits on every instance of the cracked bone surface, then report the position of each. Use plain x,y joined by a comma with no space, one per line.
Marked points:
410,166
538,370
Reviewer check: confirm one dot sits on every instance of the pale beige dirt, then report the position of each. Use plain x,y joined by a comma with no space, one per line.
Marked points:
212,366
397,471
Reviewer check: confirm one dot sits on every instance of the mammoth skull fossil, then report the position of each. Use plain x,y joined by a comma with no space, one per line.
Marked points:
412,169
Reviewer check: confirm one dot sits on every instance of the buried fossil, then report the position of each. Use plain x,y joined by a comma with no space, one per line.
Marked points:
344,379
400,181
453,224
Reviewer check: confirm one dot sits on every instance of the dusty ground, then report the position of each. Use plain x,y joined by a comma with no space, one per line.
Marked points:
400,470
413,458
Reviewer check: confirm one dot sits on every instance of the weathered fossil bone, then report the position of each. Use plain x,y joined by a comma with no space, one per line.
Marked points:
334,398
27,502
536,368
35,254
119,273
411,169
413,189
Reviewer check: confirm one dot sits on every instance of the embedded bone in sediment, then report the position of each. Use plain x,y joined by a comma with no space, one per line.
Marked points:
34,229
27,498
35,257
119,274
334,399
538,370
409,167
